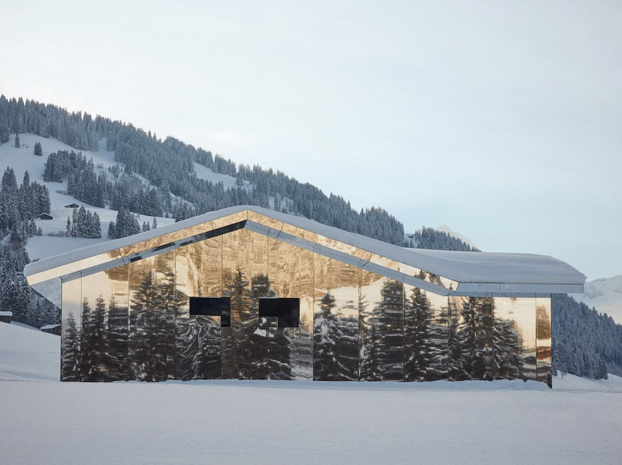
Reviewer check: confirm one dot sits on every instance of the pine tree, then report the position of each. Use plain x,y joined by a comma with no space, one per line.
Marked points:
38,149
17,143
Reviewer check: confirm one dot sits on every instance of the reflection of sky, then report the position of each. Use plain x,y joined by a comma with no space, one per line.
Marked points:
72,300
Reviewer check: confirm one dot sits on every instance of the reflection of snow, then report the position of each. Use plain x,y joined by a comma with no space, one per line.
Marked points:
523,312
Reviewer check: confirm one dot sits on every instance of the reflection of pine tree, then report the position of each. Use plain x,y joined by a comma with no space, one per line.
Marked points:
439,336
86,339
325,366
187,354
70,370
543,323
364,332
172,302
347,347
302,351
455,371
234,364
476,337
117,336
147,338
417,336
278,363
371,351
507,350
392,306
95,349
207,360
256,350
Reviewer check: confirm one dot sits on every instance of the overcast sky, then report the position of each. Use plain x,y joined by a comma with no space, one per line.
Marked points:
502,120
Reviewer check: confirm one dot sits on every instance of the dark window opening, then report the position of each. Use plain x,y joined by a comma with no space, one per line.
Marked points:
287,310
212,306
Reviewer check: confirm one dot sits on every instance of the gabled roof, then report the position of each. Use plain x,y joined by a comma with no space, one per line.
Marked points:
443,272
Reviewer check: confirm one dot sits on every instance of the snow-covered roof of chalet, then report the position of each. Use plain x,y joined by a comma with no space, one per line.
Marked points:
468,273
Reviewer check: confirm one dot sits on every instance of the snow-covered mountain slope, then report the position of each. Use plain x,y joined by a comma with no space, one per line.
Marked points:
446,229
22,159
27,354
228,182
606,295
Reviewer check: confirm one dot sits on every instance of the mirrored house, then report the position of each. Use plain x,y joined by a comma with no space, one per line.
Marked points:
249,293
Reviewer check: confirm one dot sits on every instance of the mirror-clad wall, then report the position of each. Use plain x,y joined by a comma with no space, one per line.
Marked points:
133,322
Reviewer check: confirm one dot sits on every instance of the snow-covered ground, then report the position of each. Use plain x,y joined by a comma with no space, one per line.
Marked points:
27,354
273,422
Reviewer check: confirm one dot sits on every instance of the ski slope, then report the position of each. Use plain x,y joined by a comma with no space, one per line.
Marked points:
22,159
280,422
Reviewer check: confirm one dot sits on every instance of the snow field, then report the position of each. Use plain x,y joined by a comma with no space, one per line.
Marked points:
28,354
274,422
232,422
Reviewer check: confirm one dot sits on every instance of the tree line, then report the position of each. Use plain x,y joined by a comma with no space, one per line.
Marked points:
585,342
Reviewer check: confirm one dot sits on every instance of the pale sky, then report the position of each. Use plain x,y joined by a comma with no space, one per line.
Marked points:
502,120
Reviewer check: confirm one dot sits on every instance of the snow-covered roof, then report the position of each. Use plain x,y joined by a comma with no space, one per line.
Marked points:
6,313
50,326
461,273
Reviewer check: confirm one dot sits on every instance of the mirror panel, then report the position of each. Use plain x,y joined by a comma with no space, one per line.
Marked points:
515,338
543,340
335,320
425,335
291,275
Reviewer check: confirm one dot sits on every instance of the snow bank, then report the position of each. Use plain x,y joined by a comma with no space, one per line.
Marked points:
28,355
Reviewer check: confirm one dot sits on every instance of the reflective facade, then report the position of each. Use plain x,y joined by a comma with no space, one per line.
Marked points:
134,321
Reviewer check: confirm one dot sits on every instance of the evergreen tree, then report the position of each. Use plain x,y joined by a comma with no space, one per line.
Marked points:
17,143
38,149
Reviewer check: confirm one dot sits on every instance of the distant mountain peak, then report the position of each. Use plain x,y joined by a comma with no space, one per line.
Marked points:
446,229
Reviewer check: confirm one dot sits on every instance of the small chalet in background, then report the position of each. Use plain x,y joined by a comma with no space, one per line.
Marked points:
72,205
45,216
5,317
51,329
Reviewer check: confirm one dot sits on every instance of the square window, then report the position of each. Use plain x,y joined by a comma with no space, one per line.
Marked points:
212,306
287,310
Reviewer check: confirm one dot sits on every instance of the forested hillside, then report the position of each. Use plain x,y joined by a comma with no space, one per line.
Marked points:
169,166
430,238
585,342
